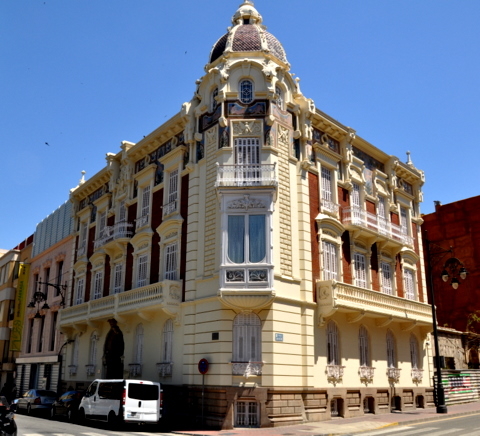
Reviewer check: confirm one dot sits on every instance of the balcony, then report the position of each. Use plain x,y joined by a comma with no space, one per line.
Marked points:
135,369
357,303
417,375
144,302
165,369
329,208
393,375
242,176
90,369
169,208
366,374
112,233
334,373
72,369
81,251
356,219
141,221
247,369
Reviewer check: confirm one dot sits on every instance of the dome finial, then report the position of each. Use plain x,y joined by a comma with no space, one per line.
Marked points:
247,14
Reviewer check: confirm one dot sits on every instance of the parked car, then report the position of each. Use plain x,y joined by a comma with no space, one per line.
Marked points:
67,405
36,400
138,401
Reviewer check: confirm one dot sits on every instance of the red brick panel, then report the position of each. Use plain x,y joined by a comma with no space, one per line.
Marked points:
346,258
374,268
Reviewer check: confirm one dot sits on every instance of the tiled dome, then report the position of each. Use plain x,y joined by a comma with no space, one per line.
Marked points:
246,35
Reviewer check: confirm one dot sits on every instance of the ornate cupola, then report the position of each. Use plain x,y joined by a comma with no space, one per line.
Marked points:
248,34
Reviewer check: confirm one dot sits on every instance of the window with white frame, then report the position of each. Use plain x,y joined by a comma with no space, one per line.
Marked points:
83,236
333,352
80,291
142,270
122,212
246,91
172,198
98,285
167,341
403,221
356,204
118,278
247,331
246,236
247,414
363,342
409,284
327,190
330,261
279,100
382,216
391,350
142,218
386,278
92,357
360,270
414,354
171,261
102,222
74,360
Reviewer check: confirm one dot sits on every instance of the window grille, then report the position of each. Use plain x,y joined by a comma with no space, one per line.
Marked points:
102,222
98,285
93,349
414,352
326,184
247,338
142,270
173,186
138,350
145,201
329,260
167,341
76,346
360,271
409,284
391,354
333,355
83,235
356,208
363,344
386,276
171,262
403,221
246,91
247,414
122,212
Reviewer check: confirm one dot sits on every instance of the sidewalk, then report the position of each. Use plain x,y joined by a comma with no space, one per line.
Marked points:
340,426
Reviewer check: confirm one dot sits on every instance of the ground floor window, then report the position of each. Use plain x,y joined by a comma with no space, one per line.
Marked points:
247,414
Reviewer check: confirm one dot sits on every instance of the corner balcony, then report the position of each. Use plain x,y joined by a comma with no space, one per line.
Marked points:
121,230
169,208
329,208
243,176
144,302
374,226
357,303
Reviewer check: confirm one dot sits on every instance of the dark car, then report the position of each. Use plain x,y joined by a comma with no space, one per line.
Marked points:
39,400
8,427
67,405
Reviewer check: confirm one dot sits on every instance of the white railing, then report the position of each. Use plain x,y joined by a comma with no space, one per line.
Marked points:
169,208
90,369
393,375
135,369
247,369
246,175
332,295
366,374
329,207
81,251
417,375
358,217
165,369
167,293
117,231
72,369
141,221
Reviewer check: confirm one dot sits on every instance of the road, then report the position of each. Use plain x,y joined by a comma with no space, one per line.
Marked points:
454,426
37,426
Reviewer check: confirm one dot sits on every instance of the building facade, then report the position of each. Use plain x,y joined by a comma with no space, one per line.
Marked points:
38,364
256,232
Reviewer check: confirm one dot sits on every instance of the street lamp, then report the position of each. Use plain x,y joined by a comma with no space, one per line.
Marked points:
452,268
39,297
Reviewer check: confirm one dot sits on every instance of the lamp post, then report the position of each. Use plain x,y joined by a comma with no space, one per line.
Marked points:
452,267
39,297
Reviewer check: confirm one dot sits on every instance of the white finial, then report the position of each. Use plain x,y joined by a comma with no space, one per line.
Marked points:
82,180
409,160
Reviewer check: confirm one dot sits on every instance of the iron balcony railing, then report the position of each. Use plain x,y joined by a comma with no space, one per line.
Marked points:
356,216
246,175
169,208
117,231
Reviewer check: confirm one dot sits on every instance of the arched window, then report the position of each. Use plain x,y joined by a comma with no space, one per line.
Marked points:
391,353
214,102
279,100
333,354
246,91
414,355
247,330
138,347
167,342
363,342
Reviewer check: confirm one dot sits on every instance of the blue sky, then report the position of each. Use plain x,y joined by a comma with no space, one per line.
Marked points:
84,75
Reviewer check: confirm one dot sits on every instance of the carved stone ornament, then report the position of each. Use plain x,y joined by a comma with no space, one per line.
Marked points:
324,293
145,245
283,135
171,235
246,203
211,136
246,128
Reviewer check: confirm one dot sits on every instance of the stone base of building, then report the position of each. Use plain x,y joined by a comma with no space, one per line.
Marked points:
228,407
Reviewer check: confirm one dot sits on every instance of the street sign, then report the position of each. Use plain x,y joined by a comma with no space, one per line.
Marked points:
203,366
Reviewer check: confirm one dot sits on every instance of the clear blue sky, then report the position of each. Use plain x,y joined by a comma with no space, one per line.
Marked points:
83,75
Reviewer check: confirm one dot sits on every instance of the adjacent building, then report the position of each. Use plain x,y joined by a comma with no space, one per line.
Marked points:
254,231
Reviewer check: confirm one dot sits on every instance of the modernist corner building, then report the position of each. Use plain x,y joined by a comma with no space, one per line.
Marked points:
256,232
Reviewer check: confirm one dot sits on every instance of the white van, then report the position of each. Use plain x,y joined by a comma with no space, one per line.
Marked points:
137,401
